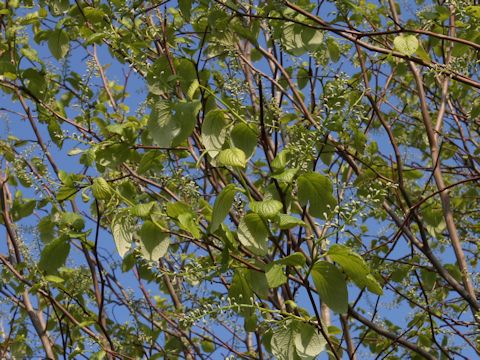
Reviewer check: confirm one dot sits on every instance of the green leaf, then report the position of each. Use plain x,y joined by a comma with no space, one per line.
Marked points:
258,283
286,222
282,342
232,157
59,43
286,176
175,209
208,346
142,210
295,259
240,291
331,286
153,242
222,206
65,193
244,138
266,208
253,234
122,231
317,190
354,266
54,255
187,223
101,189
298,39
54,279
214,131
280,161
308,342
185,7
170,123
373,285
406,44
46,229
275,275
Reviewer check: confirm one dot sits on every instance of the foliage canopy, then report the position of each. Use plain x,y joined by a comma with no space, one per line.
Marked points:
242,179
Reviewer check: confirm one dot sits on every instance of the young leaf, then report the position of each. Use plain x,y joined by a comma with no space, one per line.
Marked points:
122,232
331,286
222,206
232,157
253,234
153,242
142,210
59,43
406,44
101,189
266,208
317,190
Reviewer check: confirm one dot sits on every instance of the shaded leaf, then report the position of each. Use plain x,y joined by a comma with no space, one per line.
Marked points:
222,206
58,43
153,242
253,234
331,286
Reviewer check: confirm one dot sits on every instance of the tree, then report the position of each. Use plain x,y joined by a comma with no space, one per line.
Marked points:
241,179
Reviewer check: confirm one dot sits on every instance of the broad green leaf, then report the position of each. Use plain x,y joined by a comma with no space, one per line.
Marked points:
253,234
258,283
373,285
65,193
240,291
222,206
244,137
214,131
122,231
406,44
46,229
288,222
266,208
280,161
295,259
308,341
170,123
354,266
59,43
298,39
187,223
282,342
331,286
142,210
175,209
153,242
317,190
101,189
275,275
232,157
286,176
54,255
